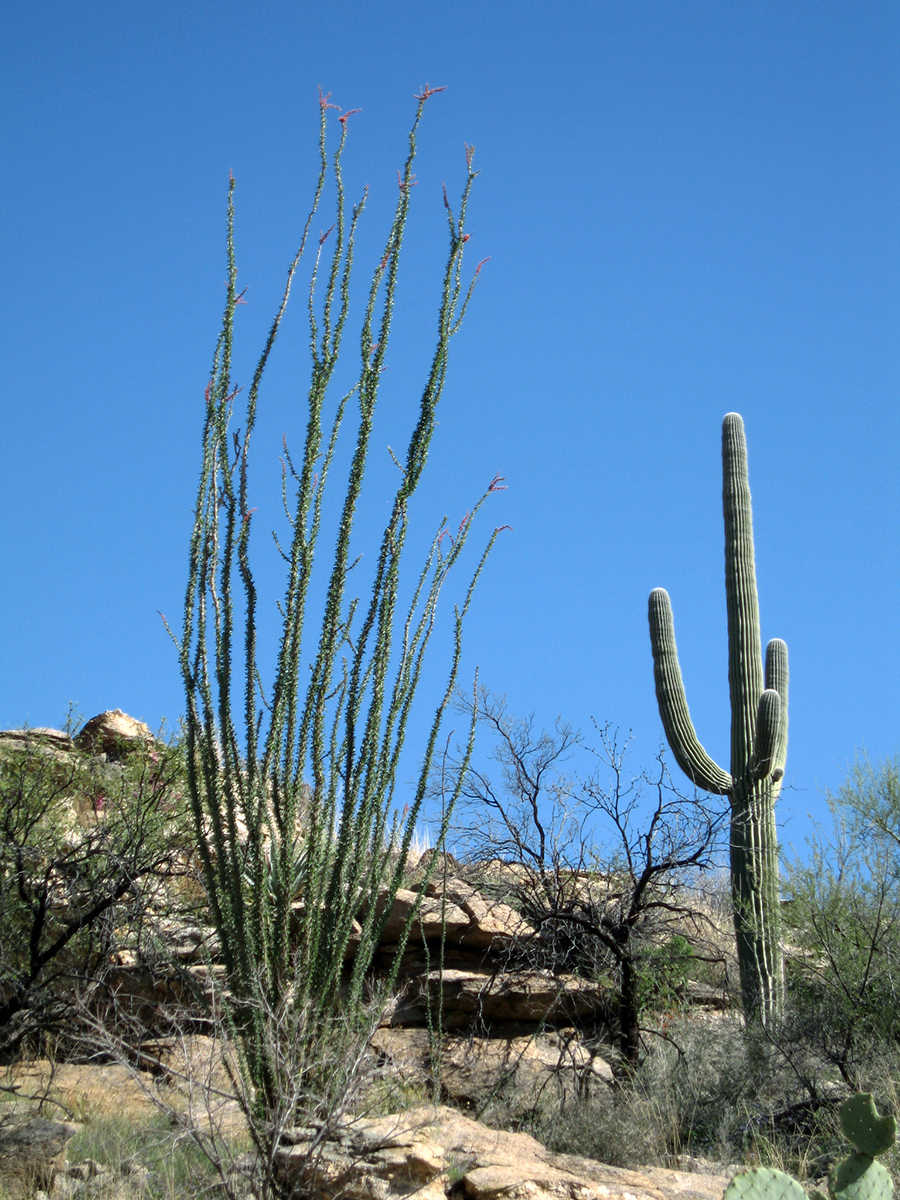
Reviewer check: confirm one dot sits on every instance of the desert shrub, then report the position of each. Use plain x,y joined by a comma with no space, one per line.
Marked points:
703,1096
85,845
843,919
606,866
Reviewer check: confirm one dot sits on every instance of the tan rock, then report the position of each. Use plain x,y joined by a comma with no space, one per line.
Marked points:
113,733
493,923
515,1070
32,1153
52,748
483,995
435,1152
54,739
434,920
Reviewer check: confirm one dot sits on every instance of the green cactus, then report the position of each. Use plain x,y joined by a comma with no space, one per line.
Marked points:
864,1129
858,1177
764,1183
758,738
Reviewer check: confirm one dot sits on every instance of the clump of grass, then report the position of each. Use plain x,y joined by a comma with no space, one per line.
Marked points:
150,1152
159,1160
709,1095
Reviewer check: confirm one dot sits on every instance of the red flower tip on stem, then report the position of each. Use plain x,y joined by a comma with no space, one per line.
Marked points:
470,153
349,113
323,236
402,186
466,237
248,515
497,484
429,91
230,175
480,265
323,102
464,521
239,299
446,201
500,528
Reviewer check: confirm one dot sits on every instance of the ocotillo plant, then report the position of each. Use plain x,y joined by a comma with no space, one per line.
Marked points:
758,738
292,774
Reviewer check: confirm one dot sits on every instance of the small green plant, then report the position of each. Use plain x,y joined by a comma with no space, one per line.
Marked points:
858,1177
143,1156
663,974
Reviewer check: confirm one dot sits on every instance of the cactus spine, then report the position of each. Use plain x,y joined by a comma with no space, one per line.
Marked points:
858,1177
758,738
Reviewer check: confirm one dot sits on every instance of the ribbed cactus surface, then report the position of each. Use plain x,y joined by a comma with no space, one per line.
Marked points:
759,696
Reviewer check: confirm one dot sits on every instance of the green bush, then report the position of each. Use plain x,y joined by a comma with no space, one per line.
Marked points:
84,847
843,921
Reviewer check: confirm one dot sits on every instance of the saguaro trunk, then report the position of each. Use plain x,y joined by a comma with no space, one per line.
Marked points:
758,738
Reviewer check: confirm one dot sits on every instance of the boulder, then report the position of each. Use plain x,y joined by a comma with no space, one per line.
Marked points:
32,1153
524,996
429,922
50,739
435,1152
50,750
492,924
114,734
516,1071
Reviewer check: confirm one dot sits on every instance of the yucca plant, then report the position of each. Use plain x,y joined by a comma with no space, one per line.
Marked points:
293,783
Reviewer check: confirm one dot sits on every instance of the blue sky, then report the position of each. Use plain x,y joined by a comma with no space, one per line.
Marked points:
690,208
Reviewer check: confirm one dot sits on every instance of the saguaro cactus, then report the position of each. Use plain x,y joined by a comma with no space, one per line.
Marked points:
758,738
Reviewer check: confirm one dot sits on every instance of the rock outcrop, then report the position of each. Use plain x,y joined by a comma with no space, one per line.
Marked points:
114,734
515,1072
32,1153
435,1152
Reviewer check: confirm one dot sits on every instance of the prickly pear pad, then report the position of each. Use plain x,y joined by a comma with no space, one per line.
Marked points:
860,1177
863,1127
765,1183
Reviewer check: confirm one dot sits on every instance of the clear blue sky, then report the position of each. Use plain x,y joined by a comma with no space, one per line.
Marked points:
690,208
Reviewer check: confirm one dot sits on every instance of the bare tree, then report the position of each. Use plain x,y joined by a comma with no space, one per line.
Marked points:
606,867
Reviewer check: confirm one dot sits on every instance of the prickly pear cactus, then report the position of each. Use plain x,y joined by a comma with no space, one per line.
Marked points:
864,1129
764,1183
858,1177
